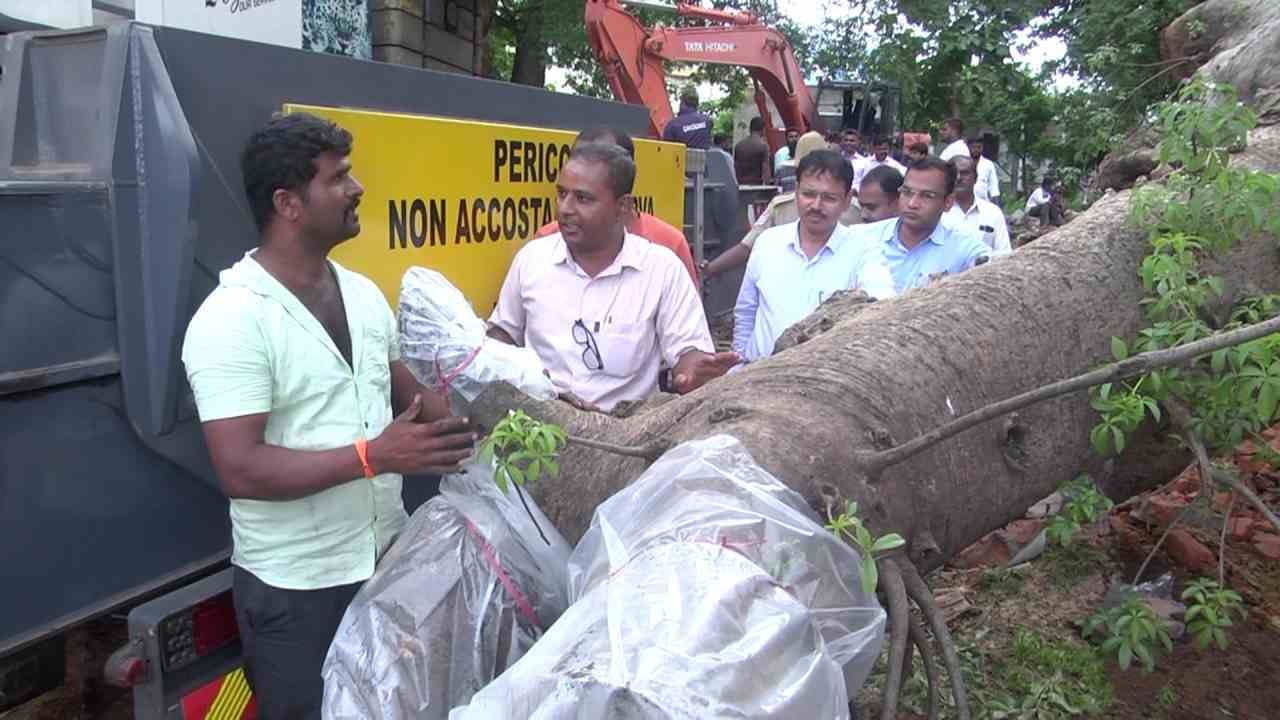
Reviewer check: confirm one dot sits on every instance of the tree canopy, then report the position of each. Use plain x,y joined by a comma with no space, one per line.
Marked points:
947,57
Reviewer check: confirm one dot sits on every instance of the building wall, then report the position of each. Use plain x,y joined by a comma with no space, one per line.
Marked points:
435,34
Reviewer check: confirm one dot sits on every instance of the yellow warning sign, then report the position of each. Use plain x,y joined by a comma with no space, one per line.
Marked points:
460,197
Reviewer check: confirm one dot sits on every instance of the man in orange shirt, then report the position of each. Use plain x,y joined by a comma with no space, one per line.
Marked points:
649,227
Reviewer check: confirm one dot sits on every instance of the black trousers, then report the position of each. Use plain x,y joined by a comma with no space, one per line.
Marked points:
285,635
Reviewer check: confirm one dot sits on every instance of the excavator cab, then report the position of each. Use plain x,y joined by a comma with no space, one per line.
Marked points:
869,108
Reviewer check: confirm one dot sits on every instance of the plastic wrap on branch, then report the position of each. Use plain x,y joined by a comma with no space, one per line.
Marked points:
706,588
464,592
444,344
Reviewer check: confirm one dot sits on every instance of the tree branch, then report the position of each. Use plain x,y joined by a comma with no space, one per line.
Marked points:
650,452
1222,542
895,593
1150,80
1160,543
1180,414
873,463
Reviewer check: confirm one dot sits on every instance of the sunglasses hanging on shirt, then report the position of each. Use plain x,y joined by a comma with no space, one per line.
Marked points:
591,351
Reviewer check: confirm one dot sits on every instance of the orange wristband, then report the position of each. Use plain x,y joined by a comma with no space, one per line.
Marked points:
362,450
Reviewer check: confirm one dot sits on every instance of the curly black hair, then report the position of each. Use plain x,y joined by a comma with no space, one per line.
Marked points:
281,156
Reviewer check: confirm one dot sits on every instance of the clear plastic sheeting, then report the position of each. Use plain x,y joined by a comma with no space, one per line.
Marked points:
707,588
463,592
444,343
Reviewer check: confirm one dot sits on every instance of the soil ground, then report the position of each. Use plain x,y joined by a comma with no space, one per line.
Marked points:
1021,645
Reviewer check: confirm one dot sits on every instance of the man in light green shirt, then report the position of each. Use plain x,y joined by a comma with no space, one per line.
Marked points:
295,366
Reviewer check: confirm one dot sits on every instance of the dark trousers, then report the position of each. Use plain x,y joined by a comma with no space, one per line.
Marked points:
285,635
1048,213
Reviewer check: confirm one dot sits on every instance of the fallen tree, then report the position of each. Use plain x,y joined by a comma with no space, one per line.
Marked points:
866,379
897,369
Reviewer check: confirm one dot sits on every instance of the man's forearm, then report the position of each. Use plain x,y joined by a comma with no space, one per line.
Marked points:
404,386
270,472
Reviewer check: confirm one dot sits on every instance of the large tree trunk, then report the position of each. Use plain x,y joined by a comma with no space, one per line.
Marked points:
899,368
1230,41
529,67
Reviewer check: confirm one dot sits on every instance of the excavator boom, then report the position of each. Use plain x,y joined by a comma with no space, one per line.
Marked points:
632,57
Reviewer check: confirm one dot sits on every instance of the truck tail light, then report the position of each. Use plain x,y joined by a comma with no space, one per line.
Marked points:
198,631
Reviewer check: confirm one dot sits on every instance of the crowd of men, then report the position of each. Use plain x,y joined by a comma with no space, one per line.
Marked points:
311,418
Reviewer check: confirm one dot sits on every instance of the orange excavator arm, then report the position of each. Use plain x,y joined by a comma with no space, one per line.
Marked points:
632,57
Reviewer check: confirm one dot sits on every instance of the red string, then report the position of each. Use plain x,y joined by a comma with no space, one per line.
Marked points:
522,602
445,379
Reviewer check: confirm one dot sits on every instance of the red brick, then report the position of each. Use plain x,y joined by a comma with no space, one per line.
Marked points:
1240,528
1160,509
1188,483
1267,544
1189,552
1022,532
990,551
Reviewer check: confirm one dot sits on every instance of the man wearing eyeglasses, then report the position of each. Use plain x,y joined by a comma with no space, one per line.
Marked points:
603,308
794,267
918,247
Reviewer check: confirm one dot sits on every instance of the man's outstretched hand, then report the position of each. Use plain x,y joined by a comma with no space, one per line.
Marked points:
433,448
695,368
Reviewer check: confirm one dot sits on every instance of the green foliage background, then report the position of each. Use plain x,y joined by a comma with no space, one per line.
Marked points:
948,57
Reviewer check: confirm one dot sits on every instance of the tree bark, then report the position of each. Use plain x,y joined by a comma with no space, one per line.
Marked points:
530,64
899,368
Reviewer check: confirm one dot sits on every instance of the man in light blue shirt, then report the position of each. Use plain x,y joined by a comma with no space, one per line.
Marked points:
794,267
918,246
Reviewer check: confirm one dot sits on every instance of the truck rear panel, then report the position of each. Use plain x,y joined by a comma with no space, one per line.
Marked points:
120,200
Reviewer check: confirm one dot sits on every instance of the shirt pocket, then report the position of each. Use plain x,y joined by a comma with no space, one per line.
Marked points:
624,347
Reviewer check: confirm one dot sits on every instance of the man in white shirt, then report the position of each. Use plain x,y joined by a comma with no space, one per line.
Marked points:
786,152
952,134
988,184
981,217
851,148
878,197
603,308
294,364
880,156
1043,204
794,267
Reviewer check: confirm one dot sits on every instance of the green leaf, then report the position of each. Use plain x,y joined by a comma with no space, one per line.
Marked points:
870,574
888,542
1098,439
1118,434
1218,361
1143,653
1119,349
1267,400
1126,656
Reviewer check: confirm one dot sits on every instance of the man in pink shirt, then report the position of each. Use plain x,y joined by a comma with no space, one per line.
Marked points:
603,308
650,227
